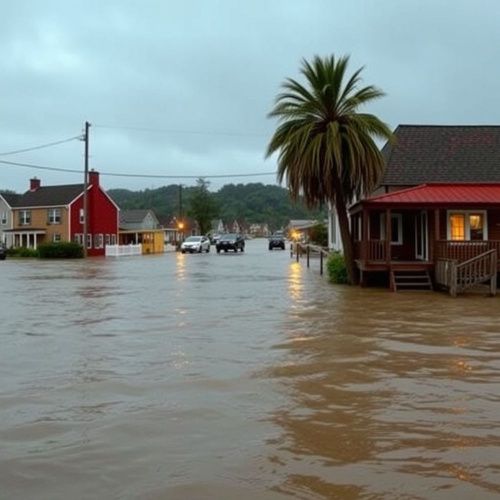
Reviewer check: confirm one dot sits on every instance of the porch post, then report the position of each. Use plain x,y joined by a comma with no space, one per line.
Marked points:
364,235
388,235
436,234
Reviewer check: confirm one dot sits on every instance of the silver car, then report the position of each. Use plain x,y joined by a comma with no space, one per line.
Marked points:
195,244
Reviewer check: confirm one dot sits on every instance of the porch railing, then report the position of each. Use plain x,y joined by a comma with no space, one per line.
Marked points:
464,250
460,251
458,277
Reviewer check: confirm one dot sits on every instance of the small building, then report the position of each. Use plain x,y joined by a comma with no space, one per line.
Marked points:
141,226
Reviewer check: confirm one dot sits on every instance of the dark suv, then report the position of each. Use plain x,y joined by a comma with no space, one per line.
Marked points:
3,252
277,241
230,241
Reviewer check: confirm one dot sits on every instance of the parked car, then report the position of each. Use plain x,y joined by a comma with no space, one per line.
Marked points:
277,240
195,244
3,252
230,241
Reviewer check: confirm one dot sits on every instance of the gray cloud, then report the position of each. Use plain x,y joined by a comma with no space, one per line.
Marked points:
204,74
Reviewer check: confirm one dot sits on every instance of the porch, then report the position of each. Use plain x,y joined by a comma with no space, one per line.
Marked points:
420,229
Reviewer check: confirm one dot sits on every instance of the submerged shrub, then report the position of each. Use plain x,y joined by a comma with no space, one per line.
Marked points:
336,268
62,250
22,252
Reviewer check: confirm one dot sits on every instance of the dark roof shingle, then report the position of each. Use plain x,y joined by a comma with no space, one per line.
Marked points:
435,153
50,196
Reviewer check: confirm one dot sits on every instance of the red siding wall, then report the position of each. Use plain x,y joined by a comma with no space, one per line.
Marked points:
102,217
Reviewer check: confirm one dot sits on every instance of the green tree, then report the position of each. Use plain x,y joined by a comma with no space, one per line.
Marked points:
326,146
202,206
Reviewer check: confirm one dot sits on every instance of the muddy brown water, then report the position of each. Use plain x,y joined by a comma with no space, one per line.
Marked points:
241,377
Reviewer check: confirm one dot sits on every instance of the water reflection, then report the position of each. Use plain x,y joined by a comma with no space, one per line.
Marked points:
294,281
388,398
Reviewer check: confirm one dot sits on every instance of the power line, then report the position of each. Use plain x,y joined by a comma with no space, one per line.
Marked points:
142,176
178,131
41,146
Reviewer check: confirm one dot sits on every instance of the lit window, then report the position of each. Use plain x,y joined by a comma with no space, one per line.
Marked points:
467,226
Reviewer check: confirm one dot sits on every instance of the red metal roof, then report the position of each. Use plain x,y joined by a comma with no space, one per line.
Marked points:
443,193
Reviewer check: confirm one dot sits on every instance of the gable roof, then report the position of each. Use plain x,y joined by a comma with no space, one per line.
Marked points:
438,153
47,196
135,216
444,193
10,198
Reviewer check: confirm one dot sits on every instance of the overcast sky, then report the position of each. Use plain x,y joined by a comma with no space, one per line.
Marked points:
184,87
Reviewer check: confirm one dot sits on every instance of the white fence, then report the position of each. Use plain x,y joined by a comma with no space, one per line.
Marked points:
123,250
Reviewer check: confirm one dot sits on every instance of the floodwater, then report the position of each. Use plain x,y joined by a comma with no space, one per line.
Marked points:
241,376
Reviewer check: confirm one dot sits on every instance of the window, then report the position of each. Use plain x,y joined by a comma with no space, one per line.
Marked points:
54,215
56,237
107,239
89,241
98,241
396,228
24,217
113,239
467,226
3,218
82,216
78,238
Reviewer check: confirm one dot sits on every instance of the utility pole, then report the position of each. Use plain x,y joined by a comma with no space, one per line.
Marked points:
85,188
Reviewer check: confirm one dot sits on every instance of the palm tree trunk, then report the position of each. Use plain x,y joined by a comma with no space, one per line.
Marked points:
345,233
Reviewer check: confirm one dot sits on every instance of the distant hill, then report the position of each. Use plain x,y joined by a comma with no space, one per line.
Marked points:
255,202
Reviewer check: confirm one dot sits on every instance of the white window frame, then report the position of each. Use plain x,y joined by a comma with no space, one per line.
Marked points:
98,241
113,239
89,241
82,216
399,218
3,219
107,240
56,238
25,217
54,216
466,214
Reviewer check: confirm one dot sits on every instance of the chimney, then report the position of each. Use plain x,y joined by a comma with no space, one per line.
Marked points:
93,178
34,184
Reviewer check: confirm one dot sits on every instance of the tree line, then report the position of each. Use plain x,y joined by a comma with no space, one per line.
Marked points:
252,203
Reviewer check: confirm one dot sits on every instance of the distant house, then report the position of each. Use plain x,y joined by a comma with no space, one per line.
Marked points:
7,201
141,226
300,228
218,226
437,206
259,230
56,213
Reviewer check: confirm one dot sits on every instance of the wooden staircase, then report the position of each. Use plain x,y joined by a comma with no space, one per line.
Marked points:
410,279
458,277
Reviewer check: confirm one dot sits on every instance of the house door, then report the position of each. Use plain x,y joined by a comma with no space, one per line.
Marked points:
421,241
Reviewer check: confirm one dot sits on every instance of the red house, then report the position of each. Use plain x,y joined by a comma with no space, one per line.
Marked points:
436,216
47,214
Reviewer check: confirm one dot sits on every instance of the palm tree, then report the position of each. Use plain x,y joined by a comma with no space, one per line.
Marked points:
326,147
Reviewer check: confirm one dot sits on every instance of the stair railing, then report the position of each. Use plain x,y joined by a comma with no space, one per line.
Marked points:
458,277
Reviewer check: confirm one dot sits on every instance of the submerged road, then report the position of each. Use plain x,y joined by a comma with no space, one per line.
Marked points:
241,376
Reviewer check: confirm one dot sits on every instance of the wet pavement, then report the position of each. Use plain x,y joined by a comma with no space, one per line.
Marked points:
241,376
